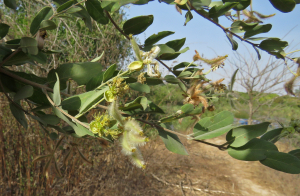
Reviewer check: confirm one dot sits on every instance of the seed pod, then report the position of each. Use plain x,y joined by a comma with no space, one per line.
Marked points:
132,125
114,111
127,147
137,140
137,159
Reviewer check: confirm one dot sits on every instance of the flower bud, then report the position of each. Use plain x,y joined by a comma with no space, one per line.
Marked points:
136,66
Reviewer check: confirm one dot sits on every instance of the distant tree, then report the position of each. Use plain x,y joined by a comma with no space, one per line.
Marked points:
262,84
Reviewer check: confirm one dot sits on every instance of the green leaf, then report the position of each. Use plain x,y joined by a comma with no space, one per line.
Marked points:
94,82
234,44
4,28
171,56
188,17
11,4
18,114
295,153
137,24
243,4
65,6
15,85
172,142
282,162
53,136
96,12
217,11
232,81
183,65
48,25
74,102
50,119
74,10
187,108
270,136
29,45
139,102
87,102
41,57
44,14
258,29
144,88
80,72
114,5
56,92
185,74
171,79
273,45
241,135
82,131
153,81
257,51
199,3
109,72
214,126
283,5
157,37
176,44
23,93
254,150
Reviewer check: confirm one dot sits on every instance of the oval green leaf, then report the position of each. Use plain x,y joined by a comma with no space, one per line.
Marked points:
96,12
283,5
4,28
254,150
282,162
44,14
144,88
137,24
241,135
48,25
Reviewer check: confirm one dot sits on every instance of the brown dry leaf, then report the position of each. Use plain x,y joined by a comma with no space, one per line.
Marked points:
197,56
194,95
178,9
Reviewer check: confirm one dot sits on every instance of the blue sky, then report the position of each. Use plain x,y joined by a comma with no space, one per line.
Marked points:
207,38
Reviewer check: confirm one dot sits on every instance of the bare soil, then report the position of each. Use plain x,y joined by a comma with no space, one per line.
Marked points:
206,171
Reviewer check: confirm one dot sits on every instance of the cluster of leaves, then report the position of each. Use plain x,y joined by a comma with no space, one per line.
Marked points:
199,92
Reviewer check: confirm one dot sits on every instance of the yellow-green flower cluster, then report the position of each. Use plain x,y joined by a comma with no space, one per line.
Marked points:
117,88
101,126
132,136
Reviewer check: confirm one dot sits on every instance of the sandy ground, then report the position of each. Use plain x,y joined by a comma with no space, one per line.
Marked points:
206,171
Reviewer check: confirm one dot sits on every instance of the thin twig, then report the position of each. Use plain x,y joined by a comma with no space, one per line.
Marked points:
62,111
6,72
116,26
